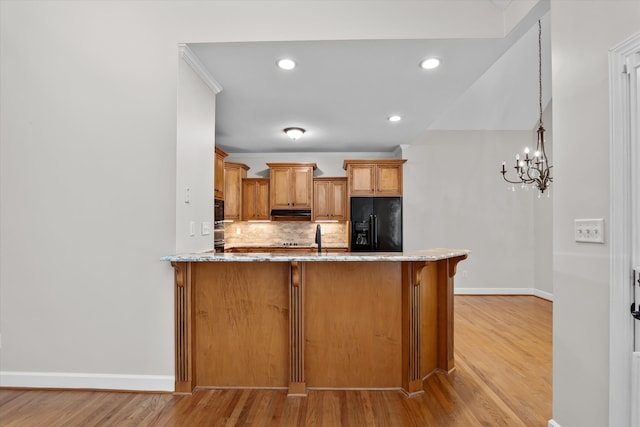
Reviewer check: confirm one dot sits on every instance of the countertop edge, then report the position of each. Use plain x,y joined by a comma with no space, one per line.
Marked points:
421,255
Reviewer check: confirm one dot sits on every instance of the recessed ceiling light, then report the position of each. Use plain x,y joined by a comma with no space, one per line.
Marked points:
429,63
394,118
286,64
294,133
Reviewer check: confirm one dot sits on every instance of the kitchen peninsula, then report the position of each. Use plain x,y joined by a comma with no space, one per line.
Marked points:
313,320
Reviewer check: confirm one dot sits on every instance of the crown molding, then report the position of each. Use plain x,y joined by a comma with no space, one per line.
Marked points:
194,62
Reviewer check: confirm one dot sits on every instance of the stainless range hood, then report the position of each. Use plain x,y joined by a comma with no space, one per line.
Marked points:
291,214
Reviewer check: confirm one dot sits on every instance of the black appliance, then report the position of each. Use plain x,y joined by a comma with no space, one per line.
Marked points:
376,224
218,226
290,214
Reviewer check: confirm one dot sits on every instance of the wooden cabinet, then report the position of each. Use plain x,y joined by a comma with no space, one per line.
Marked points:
255,198
374,177
330,198
291,185
233,175
218,174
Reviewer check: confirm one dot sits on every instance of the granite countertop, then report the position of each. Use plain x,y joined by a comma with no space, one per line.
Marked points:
421,255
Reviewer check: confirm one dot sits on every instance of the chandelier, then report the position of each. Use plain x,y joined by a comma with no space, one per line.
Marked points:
533,168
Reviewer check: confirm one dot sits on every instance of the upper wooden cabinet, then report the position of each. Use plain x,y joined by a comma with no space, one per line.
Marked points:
330,198
218,174
291,185
374,177
233,174
255,199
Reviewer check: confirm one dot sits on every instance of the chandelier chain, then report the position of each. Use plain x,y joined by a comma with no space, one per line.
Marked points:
540,69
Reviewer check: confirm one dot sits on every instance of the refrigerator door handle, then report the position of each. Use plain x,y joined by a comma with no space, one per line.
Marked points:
375,231
371,231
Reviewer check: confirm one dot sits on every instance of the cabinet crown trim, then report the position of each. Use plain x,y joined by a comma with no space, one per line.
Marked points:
346,163
292,165
237,165
221,152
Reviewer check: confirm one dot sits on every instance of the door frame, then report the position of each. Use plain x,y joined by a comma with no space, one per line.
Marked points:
622,156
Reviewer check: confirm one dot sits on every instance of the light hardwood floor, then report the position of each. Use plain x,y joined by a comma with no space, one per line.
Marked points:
502,378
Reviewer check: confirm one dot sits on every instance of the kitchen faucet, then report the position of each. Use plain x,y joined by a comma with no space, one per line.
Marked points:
319,238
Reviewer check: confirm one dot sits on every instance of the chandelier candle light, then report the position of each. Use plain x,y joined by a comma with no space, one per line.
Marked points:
534,169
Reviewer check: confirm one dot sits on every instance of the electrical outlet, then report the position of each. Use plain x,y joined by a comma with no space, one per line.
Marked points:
589,230
206,228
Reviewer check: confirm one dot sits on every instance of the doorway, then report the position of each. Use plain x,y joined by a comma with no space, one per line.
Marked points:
624,380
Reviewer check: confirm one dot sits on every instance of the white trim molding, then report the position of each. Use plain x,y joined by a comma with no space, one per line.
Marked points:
552,423
504,291
635,384
192,59
67,380
620,322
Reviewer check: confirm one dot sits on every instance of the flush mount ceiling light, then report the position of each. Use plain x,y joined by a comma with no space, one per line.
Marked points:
429,63
533,170
286,64
395,118
294,133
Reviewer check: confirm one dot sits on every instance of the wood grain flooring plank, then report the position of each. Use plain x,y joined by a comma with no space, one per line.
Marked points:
503,377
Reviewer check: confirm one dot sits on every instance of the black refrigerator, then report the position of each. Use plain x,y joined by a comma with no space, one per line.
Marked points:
376,224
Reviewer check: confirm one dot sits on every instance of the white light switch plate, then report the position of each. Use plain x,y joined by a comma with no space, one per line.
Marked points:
589,230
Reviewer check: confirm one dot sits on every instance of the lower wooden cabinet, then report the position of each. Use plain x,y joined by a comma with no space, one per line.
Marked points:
255,199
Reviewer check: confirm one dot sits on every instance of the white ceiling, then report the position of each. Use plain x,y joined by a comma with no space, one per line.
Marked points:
342,92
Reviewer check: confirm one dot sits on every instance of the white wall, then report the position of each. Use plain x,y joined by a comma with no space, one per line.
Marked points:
582,33
87,190
543,221
88,165
454,196
195,154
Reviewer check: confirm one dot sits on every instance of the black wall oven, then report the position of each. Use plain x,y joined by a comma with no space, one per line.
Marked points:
218,226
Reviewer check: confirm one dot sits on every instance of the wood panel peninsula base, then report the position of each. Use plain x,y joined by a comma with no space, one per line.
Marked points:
313,321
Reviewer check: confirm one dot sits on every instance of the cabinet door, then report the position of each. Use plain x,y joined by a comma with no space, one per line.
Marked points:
321,200
388,180
362,180
280,188
248,199
232,191
301,187
218,180
255,199
262,199
338,195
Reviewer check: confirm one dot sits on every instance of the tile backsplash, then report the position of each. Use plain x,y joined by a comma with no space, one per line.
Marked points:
275,233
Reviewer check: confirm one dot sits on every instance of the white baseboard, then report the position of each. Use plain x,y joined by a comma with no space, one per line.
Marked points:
503,291
635,390
66,380
553,424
